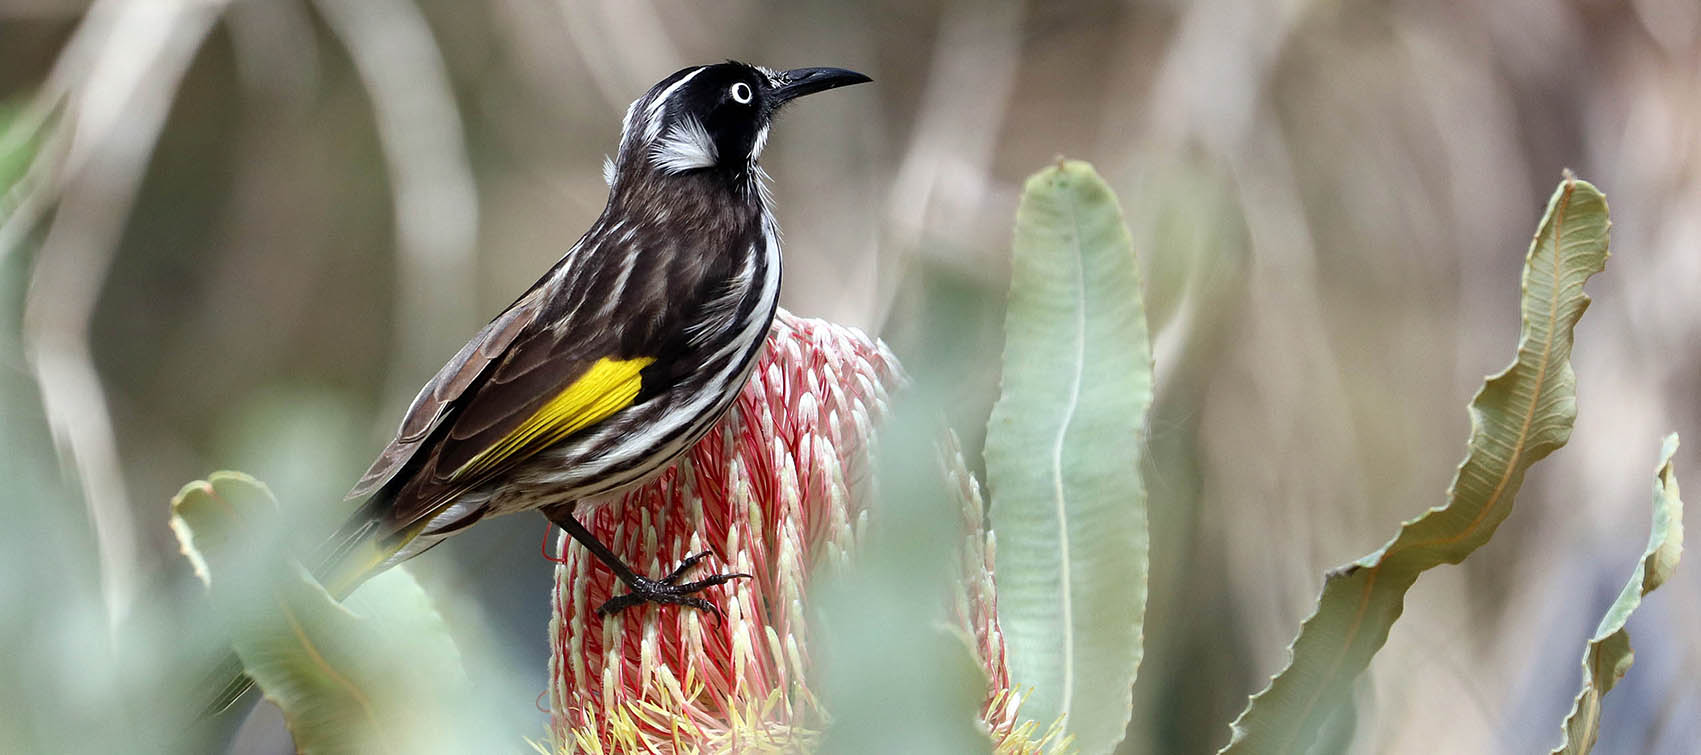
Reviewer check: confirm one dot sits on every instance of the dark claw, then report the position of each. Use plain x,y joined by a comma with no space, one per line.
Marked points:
618,603
677,597
640,589
711,581
683,567
667,591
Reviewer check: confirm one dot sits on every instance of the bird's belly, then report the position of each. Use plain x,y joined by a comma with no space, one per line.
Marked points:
547,480
563,474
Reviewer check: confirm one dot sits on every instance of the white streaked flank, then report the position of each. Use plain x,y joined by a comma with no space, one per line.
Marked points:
719,311
612,296
752,333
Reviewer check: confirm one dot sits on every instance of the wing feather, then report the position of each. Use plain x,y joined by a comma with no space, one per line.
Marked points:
548,386
444,390
608,386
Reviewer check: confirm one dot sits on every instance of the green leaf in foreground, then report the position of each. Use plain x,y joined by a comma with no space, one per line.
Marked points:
381,675
17,145
1063,451
1608,655
1518,417
21,135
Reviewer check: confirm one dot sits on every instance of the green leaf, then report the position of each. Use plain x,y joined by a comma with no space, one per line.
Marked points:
381,675
1063,453
898,674
1518,417
1608,655
20,138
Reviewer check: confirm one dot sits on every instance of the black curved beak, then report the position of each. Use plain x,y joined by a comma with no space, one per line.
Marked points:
798,82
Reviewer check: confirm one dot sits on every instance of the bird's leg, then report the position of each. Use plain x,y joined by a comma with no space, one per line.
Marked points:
666,590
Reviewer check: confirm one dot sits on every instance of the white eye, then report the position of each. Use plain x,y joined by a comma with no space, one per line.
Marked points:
741,93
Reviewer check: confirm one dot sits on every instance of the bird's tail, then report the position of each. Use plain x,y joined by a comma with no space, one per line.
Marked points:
361,549
358,551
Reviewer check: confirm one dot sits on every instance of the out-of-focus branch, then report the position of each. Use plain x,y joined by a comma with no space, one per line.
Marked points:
946,170
419,126
620,40
1215,72
941,186
276,49
117,77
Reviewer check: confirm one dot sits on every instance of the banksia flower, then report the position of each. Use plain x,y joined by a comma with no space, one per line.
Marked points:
779,488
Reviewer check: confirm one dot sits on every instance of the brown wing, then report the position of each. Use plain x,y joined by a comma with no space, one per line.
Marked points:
444,391
550,384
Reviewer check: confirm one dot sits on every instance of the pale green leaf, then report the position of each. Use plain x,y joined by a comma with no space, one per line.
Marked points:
18,143
1063,453
1608,655
897,674
379,675
1518,417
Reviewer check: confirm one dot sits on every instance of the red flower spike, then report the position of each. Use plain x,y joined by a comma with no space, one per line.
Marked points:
772,490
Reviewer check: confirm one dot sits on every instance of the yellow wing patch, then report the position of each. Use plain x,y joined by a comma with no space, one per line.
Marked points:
607,387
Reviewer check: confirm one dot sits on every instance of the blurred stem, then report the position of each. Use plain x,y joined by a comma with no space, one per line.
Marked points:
436,201
620,41
947,167
124,66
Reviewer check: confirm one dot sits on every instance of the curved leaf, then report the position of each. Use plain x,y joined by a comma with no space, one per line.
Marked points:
381,675
18,144
1608,655
1519,416
1063,453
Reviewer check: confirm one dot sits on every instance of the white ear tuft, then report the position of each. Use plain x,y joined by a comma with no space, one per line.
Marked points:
686,146
608,171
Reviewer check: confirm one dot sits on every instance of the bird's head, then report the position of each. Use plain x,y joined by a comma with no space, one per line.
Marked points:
713,117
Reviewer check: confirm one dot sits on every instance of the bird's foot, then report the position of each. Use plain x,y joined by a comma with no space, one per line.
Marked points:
668,590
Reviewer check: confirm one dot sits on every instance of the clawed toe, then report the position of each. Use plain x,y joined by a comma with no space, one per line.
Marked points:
640,590
668,591
684,566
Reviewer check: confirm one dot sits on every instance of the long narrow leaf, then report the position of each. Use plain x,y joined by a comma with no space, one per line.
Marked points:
1519,416
1063,454
1608,655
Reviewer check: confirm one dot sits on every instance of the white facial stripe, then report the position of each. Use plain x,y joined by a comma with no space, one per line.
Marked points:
668,92
651,112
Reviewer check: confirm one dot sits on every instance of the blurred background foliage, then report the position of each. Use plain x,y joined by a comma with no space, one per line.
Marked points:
250,229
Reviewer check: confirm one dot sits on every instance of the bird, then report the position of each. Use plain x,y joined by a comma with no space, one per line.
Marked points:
609,367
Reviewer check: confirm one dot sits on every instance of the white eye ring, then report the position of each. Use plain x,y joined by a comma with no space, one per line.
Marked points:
741,93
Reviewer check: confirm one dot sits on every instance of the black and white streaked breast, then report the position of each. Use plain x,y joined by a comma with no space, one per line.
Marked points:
679,276
681,268
710,296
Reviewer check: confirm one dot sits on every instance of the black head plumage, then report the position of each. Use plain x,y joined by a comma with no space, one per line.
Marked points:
714,117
